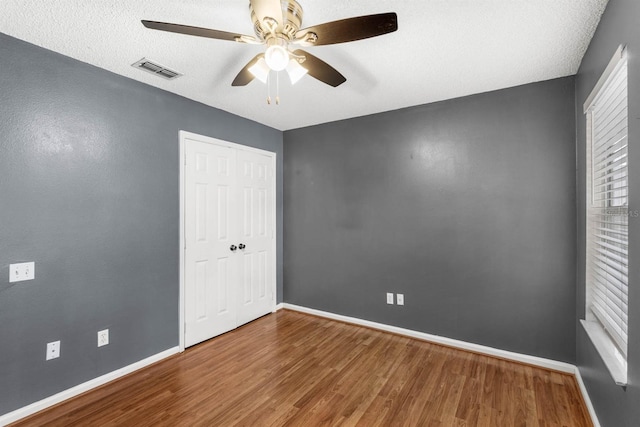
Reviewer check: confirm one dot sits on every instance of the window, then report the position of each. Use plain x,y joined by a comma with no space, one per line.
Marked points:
608,216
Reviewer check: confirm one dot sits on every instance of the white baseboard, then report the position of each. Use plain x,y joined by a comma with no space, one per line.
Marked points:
517,357
587,400
81,388
279,307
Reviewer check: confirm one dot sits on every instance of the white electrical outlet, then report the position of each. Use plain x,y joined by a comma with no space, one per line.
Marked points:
53,350
400,299
389,298
103,337
22,271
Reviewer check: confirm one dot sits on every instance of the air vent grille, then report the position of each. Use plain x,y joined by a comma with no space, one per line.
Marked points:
168,73
157,69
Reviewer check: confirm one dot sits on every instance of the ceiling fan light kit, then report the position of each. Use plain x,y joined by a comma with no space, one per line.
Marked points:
276,24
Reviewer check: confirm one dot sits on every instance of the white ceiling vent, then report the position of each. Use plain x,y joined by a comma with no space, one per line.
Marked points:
155,68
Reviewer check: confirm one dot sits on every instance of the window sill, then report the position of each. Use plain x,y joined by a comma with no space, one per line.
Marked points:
613,360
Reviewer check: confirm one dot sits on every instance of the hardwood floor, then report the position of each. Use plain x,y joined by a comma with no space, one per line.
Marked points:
292,369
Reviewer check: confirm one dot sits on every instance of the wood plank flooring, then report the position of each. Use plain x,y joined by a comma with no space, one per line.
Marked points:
292,369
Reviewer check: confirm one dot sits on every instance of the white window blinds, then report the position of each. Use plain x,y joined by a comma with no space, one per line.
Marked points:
607,204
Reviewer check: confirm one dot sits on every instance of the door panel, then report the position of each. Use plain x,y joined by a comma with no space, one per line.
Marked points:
256,183
209,271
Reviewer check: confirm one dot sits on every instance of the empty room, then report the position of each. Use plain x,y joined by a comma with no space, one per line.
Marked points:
305,212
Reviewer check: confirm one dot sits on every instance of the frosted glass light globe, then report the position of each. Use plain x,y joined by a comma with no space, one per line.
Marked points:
277,57
295,71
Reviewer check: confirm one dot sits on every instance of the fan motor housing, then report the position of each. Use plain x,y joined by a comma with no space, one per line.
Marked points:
292,21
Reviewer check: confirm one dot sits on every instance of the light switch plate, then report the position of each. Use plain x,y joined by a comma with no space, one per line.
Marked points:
22,271
400,299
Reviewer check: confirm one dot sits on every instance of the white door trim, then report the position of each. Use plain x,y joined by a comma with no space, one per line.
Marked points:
183,136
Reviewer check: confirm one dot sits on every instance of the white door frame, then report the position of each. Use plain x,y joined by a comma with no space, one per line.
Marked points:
183,136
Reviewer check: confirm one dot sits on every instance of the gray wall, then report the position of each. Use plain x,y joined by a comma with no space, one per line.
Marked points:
615,406
465,206
89,191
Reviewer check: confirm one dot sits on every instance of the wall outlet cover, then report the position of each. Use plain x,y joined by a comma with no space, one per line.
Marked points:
400,299
103,337
53,350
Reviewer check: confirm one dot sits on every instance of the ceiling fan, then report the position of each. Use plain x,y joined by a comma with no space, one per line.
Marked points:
277,25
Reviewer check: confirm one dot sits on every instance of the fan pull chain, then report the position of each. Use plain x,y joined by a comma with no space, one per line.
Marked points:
277,88
268,88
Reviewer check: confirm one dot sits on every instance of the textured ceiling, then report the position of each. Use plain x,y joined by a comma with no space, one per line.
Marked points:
443,49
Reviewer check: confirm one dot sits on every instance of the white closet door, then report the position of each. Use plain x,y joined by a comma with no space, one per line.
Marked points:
211,268
256,177
229,229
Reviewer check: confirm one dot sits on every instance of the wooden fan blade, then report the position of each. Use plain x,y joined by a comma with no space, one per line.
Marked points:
245,76
351,29
267,9
194,31
320,70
